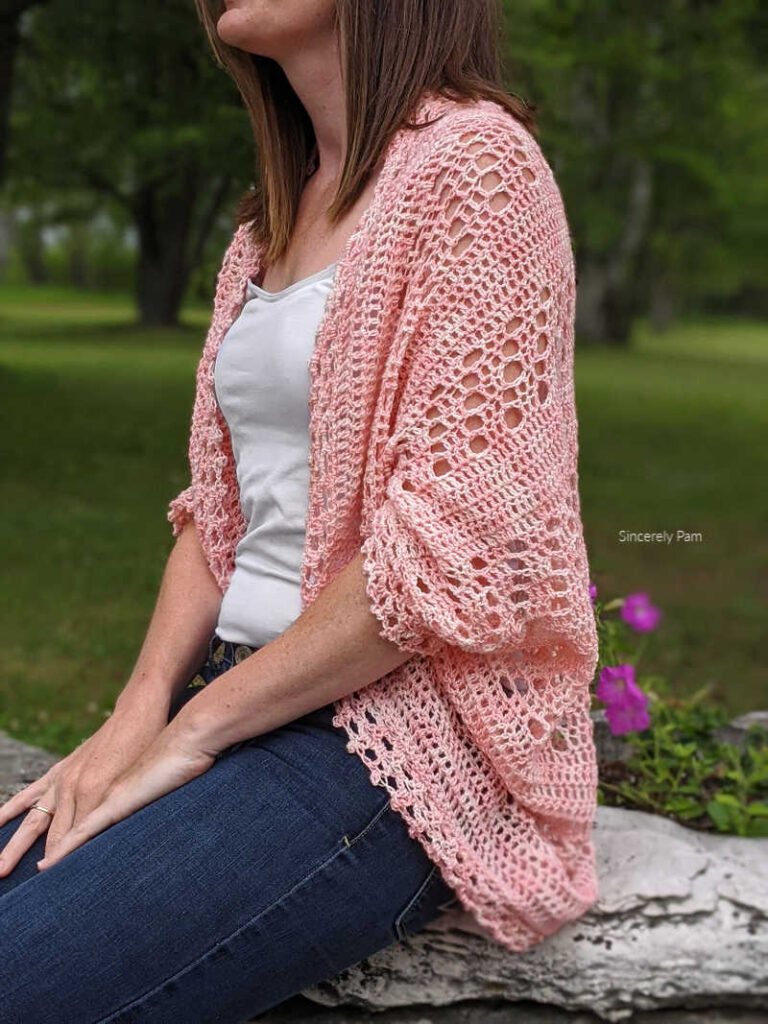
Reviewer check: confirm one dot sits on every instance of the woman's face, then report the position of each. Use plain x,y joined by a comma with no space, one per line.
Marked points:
275,28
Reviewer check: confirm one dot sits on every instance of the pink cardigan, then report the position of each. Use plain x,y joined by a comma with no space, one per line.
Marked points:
443,442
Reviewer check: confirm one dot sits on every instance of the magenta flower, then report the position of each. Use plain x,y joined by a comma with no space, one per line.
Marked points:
626,704
592,592
617,683
638,612
626,718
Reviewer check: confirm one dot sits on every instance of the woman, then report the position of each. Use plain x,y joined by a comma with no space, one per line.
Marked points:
363,695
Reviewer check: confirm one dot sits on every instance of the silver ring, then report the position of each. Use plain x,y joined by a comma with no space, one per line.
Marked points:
39,807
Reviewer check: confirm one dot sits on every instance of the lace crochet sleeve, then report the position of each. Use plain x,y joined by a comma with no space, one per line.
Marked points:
181,509
477,543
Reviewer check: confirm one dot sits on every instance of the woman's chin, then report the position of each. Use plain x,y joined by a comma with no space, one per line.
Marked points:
233,28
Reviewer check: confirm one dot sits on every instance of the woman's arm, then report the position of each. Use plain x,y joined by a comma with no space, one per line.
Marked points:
185,615
333,648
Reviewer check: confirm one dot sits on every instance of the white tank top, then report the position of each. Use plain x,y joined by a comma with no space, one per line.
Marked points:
261,379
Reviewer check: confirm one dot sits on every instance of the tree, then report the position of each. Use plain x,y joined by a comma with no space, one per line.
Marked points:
651,115
129,103
11,13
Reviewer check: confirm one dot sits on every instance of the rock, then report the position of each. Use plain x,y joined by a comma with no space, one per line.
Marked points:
681,921
300,1011
735,731
751,718
21,764
608,746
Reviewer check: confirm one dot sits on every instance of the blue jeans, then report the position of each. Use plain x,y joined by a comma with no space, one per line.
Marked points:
276,869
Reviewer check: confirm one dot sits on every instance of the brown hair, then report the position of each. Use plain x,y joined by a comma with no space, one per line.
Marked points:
391,52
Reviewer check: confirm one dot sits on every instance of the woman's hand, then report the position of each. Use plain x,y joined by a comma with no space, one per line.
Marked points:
77,784
171,760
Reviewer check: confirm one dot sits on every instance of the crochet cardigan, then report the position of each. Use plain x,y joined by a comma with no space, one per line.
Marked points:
443,443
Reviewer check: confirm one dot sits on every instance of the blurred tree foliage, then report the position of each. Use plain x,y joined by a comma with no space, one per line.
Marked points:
11,15
127,104
652,115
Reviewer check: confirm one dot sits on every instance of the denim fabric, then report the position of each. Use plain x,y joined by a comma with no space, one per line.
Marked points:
277,868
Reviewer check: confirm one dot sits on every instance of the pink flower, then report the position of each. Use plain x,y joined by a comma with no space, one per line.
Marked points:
592,592
638,612
617,683
626,704
626,718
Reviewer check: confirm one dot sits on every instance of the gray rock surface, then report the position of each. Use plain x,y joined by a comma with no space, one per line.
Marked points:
299,1011
736,729
608,746
21,764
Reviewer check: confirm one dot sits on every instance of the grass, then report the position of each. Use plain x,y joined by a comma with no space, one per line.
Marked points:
96,415
671,436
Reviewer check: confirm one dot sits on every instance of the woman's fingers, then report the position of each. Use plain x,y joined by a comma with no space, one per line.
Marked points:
20,801
74,806
33,824
170,761
61,823
116,806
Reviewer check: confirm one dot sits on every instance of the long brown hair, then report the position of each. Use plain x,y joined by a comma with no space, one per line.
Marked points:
391,52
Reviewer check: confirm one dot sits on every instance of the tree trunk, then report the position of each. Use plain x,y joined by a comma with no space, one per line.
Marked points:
10,16
591,289
173,231
28,237
609,294
160,284
163,222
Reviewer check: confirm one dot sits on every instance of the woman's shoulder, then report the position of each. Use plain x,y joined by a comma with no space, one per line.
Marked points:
470,127
477,147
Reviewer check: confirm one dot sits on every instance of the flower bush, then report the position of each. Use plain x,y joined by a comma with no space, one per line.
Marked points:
678,767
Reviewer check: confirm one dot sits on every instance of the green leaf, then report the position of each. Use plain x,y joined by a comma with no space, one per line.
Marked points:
720,815
728,799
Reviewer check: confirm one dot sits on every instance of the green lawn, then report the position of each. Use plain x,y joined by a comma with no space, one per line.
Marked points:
672,437
96,417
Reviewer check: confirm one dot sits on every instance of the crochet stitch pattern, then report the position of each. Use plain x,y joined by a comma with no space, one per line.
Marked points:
443,444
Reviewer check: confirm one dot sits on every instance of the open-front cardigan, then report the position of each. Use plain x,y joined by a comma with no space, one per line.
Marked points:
443,443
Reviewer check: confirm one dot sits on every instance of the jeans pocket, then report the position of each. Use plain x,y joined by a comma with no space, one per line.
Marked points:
431,899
